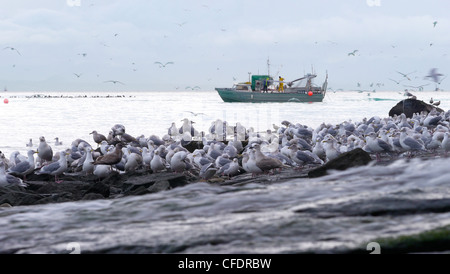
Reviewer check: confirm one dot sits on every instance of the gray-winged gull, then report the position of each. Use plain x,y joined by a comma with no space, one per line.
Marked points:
446,143
24,168
408,143
134,160
208,171
157,163
9,180
88,166
377,145
330,151
102,171
231,169
55,168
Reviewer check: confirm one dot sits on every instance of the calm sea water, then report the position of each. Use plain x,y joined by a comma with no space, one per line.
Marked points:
73,115
336,212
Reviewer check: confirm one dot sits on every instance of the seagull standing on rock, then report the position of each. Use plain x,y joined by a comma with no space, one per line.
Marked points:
24,168
9,180
55,168
44,151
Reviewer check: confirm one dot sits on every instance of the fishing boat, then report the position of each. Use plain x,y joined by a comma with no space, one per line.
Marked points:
263,88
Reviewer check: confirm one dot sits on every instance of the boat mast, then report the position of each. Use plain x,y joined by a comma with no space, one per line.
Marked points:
268,67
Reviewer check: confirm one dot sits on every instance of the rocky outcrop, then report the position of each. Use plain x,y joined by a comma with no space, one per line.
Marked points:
411,106
74,188
356,157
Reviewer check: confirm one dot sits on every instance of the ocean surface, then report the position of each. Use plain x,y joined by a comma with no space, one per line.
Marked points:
336,213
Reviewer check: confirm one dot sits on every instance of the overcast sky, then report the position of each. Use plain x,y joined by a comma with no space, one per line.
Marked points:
44,43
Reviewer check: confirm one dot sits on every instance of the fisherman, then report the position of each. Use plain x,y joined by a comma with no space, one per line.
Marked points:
281,87
266,84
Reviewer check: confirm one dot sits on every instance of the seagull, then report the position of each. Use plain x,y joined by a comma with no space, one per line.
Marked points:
195,114
111,158
408,143
157,163
11,48
437,103
55,168
114,82
88,166
193,88
431,100
25,167
397,82
7,179
406,75
418,87
57,142
377,145
434,75
30,143
353,53
44,151
231,169
409,94
98,138
161,65
77,75
181,24
265,163
434,24
208,171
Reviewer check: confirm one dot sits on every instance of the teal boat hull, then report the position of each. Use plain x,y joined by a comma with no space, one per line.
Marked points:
232,95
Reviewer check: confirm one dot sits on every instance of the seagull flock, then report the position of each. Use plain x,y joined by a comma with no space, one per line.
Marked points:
289,145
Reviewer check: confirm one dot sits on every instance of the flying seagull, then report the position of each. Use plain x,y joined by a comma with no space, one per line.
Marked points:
114,82
11,48
442,80
161,65
77,75
434,75
195,114
397,82
418,87
193,88
353,53
406,75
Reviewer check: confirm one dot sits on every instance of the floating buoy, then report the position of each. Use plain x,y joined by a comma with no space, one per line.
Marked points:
6,101
310,93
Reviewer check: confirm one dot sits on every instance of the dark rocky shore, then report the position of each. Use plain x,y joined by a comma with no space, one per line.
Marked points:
43,190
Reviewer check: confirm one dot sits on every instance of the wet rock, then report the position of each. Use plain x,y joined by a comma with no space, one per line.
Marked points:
159,186
146,181
93,196
411,106
99,188
356,157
